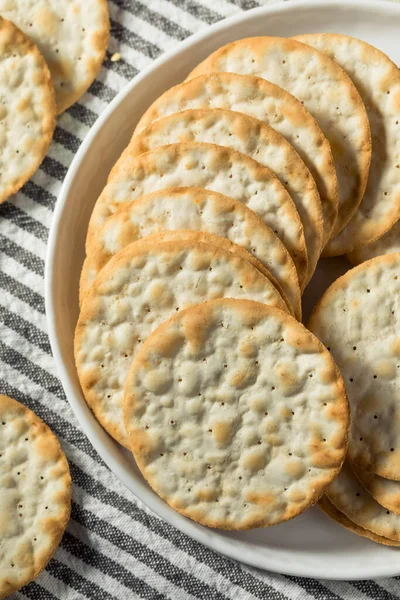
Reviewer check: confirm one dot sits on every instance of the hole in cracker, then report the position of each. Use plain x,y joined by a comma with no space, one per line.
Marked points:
252,60
375,416
222,403
225,366
272,388
391,449
161,453
284,62
354,347
351,380
266,413
210,268
325,404
241,287
358,493
180,380
361,439
172,422
385,193
290,454
3,422
375,376
208,466
259,442
388,512
395,277
256,362
41,477
388,92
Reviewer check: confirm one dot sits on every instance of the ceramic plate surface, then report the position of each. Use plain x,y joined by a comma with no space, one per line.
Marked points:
310,545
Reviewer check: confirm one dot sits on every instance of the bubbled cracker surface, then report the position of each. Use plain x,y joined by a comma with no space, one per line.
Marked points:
236,415
269,103
196,209
27,109
377,79
139,288
35,495
257,140
72,36
327,92
387,244
358,318
335,514
348,495
206,166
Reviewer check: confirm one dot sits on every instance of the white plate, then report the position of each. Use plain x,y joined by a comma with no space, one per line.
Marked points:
310,545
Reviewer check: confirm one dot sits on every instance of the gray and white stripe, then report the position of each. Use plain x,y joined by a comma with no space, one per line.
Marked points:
115,547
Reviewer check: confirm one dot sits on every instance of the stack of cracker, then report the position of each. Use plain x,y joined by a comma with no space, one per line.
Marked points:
188,346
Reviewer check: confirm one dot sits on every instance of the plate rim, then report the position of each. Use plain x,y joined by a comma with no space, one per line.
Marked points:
84,416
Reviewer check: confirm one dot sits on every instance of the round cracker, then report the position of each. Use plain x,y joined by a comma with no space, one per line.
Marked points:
387,244
385,491
215,413
377,79
358,318
27,111
348,495
269,103
35,497
199,210
72,36
255,139
210,167
327,92
335,514
138,289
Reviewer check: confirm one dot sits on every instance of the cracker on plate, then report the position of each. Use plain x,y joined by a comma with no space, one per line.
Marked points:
255,139
269,103
72,36
138,289
358,319
199,210
210,167
377,79
385,491
327,92
35,495
330,509
27,109
348,495
236,414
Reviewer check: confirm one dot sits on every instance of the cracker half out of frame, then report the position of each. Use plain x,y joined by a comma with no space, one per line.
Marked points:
215,413
330,509
269,103
385,491
27,111
142,286
377,79
212,167
358,319
72,36
328,94
255,139
350,497
35,498
199,210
